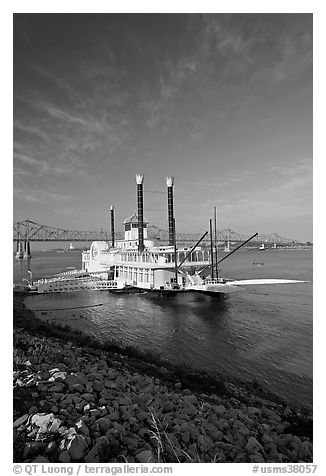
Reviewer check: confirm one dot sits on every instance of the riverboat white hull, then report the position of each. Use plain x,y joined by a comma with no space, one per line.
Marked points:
75,280
221,286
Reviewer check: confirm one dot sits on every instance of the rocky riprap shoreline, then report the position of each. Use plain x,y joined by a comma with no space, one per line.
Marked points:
77,402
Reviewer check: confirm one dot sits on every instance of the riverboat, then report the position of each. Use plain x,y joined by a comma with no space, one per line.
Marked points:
137,263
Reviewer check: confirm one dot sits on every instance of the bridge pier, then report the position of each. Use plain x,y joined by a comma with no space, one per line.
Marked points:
28,249
23,250
19,249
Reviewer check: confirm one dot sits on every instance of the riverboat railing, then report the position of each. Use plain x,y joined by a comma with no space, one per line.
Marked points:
214,281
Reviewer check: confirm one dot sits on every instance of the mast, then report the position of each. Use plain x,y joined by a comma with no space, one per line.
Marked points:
175,254
212,256
112,225
215,243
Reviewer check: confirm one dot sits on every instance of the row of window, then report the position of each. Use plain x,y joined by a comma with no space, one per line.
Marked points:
77,288
169,257
193,257
128,226
138,258
139,275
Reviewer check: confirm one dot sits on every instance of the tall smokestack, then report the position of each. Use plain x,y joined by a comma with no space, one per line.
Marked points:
140,202
112,225
170,183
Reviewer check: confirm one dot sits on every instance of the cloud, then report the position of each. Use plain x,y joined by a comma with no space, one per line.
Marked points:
217,181
42,168
29,129
63,115
39,196
74,137
287,193
181,92
164,107
56,79
227,55
256,46
26,159
301,167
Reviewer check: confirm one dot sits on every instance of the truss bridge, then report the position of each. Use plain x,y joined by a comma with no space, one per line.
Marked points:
27,231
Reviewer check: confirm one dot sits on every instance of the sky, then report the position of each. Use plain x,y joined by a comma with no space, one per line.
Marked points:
223,102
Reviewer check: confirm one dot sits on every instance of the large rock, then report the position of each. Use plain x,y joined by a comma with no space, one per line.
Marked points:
64,457
51,447
20,420
104,424
146,456
257,458
253,446
253,411
114,416
77,447
185,437
271,415
241,457
58,387
56,375
110,374
75,383
82,428
125,401
98,386
219,409
43,424
267,438
100,451
33,448
95,412
132,443
204,443
216,434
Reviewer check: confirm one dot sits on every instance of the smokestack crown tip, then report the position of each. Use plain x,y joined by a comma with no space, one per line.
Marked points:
139,179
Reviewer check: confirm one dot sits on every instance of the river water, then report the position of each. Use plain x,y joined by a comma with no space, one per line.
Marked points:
263,332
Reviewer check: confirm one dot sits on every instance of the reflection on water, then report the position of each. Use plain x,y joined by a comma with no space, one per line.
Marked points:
262,333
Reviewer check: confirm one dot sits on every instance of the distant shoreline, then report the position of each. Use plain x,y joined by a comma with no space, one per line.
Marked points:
290,248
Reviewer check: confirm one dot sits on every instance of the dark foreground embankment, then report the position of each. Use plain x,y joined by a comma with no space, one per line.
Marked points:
75,400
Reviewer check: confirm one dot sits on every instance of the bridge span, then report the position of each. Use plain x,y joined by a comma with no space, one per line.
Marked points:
24,232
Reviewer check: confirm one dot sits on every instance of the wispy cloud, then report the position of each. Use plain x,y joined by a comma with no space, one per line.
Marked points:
217,182
28,129
206,95
302,167
286,193
39,196
73,139
62,115
56,79
246,47
26,159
